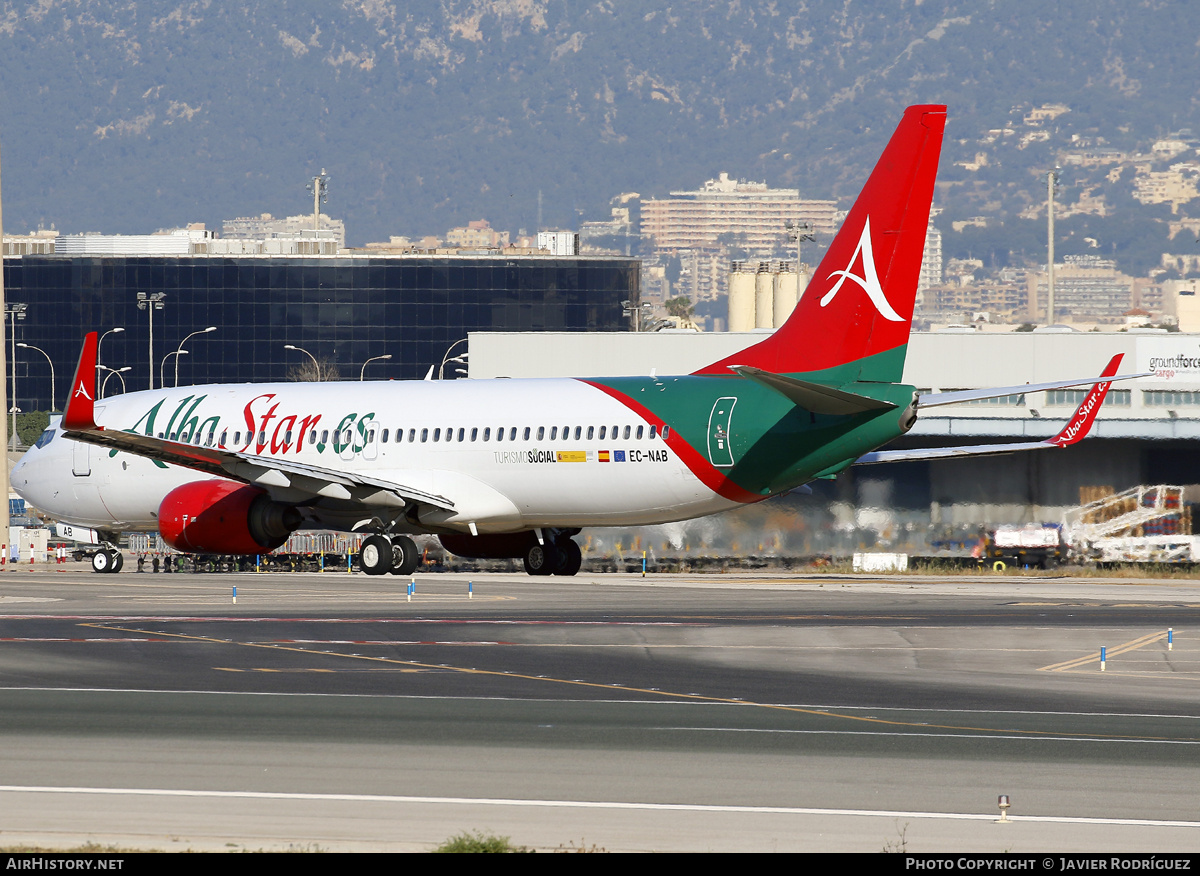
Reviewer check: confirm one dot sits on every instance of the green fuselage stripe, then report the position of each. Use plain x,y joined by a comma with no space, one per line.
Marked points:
759,440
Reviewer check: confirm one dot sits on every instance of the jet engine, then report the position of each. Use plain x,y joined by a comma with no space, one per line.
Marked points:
224,517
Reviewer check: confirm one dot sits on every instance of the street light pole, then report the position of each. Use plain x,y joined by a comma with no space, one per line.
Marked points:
316,364
211,328
111,331
47,355
162,368
362,374
120,375
151,302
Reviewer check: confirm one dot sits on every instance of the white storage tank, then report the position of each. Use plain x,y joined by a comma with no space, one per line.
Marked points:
764,295
786,293
741,299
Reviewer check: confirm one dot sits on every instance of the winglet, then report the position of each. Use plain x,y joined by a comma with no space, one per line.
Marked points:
80,414
1081,423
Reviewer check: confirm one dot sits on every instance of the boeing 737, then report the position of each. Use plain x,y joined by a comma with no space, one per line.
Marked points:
515,468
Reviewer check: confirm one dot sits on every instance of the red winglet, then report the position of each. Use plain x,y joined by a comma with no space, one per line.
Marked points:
1081,423
80,414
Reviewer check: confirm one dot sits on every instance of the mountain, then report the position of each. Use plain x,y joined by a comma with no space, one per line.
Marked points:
129,116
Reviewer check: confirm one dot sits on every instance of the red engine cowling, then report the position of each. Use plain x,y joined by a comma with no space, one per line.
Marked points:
489,547
224,517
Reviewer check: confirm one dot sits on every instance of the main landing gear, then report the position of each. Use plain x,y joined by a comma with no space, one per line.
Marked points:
381,554
557,556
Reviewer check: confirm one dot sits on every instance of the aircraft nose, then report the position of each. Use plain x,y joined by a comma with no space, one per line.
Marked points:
28,478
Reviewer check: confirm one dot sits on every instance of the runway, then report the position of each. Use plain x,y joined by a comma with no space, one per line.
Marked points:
724,713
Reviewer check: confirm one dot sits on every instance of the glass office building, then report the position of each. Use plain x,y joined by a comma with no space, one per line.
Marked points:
343,310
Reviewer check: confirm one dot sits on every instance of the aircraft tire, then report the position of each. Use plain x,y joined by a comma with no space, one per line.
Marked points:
539,559
102,561
572,558
405,555
118,562
375,555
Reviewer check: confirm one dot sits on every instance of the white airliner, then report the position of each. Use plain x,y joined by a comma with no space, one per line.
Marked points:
515,468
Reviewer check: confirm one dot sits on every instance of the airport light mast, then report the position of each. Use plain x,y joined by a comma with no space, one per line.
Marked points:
151,302
320,192
1051,183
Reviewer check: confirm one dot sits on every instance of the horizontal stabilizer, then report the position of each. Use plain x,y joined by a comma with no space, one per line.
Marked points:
815,397
1073,432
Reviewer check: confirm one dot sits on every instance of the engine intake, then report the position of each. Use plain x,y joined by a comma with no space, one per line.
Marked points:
224,517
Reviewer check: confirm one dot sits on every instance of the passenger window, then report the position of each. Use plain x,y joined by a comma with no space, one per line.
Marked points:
224,435
312,437
512,434
639,432
262,437
287,436
324,436
383,436
526,434
553,433
541,433
665,432
424,435
500,434
461,433
625,435
437,435
602,430
412,436
487,433
474,433
578,432
653,431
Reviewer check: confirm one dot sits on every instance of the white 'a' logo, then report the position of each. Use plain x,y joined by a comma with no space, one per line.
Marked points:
870,279
81,391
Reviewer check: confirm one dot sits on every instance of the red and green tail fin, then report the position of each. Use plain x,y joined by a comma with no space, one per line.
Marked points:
858,307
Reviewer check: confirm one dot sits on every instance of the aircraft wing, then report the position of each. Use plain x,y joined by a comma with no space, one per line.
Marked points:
1076,429
79,423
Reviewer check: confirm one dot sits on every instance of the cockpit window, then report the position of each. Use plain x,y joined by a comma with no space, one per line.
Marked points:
45,438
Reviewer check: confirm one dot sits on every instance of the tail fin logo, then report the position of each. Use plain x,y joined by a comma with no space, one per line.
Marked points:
82,391
869,281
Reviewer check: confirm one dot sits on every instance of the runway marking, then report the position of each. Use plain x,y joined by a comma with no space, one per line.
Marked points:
1094,657
923,726
586,804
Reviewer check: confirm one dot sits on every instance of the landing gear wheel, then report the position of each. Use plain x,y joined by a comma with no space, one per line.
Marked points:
106,561
572,558
540,559
375,555
405,555
118,561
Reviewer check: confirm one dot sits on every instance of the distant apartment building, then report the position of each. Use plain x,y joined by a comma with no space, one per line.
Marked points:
931,260
1175,186
476,234
40,242
267,227
751,213
1086,289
